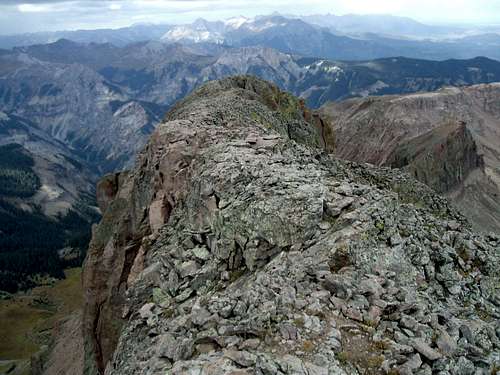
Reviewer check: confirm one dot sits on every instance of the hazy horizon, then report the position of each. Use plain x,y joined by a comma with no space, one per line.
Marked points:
17,17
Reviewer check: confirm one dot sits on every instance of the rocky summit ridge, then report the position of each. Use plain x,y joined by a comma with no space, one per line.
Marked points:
239,245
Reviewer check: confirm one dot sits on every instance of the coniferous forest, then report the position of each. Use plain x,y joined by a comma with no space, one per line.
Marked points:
29,240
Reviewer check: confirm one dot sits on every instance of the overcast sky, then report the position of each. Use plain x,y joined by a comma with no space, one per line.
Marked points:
18,16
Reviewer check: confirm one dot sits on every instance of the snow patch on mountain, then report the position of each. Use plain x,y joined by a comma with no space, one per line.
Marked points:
236,22
185,33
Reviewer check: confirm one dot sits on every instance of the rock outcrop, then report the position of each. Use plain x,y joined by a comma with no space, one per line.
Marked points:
239,245
442,158
405,130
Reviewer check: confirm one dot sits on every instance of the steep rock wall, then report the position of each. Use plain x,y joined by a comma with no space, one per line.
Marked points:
442,158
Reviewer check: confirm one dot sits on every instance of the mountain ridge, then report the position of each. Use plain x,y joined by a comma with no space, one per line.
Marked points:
232,237
143,70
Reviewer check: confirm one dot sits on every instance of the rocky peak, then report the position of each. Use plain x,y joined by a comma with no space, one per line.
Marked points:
238,245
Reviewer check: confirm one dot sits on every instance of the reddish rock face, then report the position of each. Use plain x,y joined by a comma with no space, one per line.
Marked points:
107,188
135,206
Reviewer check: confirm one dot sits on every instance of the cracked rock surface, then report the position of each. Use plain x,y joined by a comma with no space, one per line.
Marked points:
239,245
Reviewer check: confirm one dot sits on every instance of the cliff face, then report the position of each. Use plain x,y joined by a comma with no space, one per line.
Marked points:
417,131
442,158
237,245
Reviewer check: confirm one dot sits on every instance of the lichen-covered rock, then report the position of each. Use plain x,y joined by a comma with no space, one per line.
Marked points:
269,256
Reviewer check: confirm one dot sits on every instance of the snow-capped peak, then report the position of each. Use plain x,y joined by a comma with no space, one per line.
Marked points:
200,30
236,22
196,36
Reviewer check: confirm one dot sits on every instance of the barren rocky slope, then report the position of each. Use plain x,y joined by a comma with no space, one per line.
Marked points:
239,245
75,105
465,164
65,182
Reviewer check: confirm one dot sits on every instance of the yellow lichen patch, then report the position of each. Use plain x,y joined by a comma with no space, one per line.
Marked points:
307,346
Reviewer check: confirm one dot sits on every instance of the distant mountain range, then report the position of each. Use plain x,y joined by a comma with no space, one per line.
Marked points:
386,25
118,37
75,111
103,101
342,38
76,105
349,37
156,74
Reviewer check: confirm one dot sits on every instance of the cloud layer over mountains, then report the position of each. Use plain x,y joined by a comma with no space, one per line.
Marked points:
48,15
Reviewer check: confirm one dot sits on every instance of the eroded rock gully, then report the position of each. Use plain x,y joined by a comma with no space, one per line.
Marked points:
238,245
